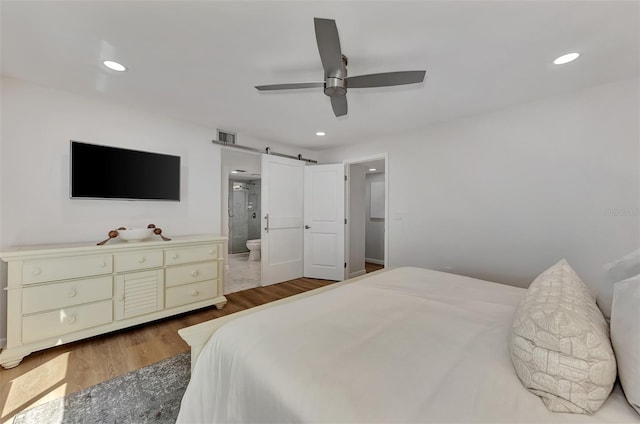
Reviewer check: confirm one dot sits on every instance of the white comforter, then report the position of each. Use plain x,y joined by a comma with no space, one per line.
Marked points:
407,345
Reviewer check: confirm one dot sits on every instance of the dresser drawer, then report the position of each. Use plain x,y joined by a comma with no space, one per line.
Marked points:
137,260
183,255
66,320
190,293
38,271
60,295
192,273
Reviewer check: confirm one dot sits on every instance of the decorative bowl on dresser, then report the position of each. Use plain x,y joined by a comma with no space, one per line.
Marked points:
135,235
61,293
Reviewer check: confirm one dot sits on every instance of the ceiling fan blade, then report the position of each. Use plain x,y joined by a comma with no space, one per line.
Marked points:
291,86
339,105
329,47
386,79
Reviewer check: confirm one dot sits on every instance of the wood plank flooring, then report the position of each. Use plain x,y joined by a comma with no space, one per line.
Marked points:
53,373
370,267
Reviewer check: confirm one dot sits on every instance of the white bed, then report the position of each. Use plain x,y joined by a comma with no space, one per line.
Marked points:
405,345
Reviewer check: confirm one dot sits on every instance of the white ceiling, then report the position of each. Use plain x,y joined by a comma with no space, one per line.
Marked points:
199,61
378,165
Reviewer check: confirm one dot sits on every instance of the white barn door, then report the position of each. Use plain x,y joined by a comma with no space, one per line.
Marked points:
282,219
324,221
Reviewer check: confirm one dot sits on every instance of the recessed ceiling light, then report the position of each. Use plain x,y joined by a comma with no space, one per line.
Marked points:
566,58
321,133
114,66
372,169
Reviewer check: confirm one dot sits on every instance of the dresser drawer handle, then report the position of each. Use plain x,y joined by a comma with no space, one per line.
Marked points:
141,260
71,319
121,297
72,293
195,293
212,252
103,264
174,256
194,273
36,271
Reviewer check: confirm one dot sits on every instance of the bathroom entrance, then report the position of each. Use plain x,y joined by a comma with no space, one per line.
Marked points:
244,214
241,201
367,226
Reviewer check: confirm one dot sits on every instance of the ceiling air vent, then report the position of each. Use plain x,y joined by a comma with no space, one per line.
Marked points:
226,136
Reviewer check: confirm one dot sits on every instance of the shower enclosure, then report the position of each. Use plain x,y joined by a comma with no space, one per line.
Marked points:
244,214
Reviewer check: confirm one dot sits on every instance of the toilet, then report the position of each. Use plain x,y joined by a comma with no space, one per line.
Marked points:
254,249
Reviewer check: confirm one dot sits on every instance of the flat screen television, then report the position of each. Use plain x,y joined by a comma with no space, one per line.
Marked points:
103,172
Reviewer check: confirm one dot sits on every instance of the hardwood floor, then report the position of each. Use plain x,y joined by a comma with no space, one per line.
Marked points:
370,267
53,373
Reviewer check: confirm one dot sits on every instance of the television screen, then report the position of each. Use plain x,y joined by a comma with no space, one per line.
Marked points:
102,172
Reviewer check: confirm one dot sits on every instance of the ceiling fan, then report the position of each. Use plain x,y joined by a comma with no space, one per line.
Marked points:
336,82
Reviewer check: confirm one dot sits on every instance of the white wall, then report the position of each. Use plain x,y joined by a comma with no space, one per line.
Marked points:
374,232
3,265
504,195
36,126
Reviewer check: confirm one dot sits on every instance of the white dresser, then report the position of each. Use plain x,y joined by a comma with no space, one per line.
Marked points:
61,293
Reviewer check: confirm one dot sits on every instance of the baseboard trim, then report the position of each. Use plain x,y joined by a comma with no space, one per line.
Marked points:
374,261
3,343
357,273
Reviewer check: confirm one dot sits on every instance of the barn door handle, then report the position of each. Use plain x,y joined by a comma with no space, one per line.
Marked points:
267,227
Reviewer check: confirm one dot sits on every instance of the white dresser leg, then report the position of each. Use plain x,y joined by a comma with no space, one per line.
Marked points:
12,364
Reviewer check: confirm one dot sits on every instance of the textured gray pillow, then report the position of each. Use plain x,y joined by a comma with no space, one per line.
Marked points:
560,343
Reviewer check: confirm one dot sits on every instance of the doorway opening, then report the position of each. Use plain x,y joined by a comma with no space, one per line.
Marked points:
244,214
367,207
241,215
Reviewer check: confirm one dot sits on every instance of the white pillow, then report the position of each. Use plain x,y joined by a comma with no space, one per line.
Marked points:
560,343
625,336
623,268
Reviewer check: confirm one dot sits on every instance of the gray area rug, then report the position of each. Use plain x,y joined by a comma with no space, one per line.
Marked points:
149,395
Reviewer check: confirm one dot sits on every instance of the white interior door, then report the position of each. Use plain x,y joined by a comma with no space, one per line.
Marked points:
324,221
282,219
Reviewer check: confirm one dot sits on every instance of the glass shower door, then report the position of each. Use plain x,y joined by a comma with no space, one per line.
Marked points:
239,219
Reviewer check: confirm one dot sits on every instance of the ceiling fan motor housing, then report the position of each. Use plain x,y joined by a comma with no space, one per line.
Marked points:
334,87
336,84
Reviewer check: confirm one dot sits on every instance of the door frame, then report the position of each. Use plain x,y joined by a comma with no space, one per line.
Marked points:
347,163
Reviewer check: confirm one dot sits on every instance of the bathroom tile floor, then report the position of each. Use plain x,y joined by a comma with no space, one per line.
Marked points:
242,273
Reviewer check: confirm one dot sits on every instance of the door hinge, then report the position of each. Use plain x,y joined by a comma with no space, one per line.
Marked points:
345,264
345,221
345,178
